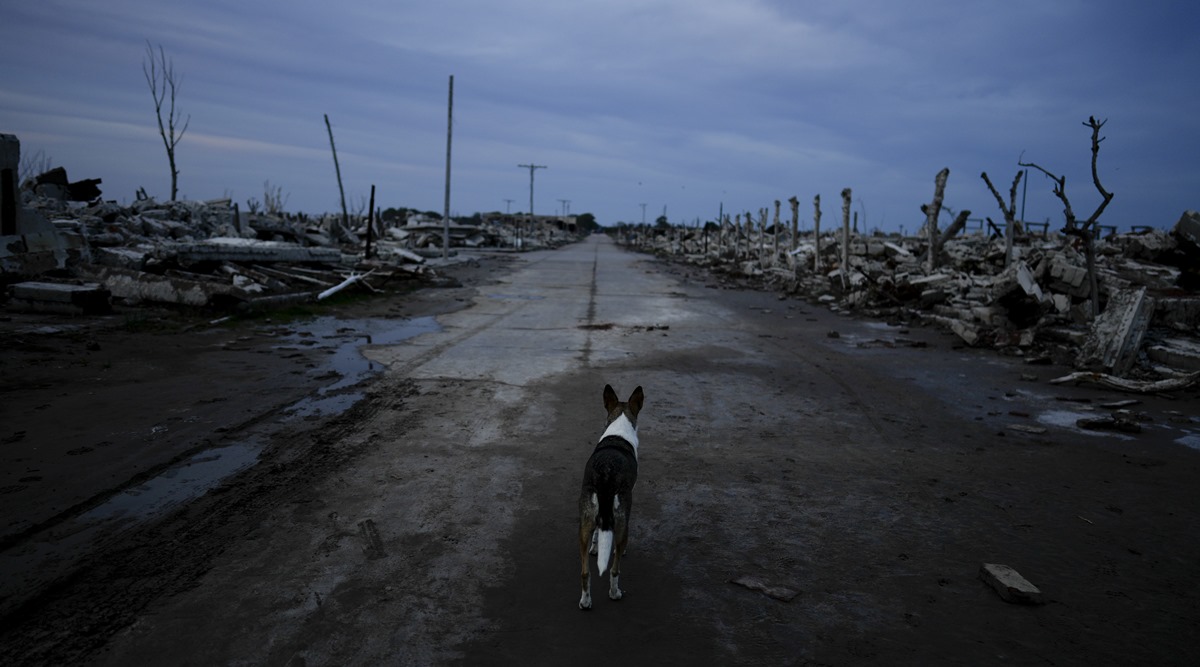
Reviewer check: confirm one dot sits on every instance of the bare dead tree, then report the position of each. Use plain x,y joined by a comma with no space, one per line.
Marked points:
1009,211
33,165
273,198
1086,230
164,86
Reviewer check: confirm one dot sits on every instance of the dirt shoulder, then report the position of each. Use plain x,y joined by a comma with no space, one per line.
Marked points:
98,408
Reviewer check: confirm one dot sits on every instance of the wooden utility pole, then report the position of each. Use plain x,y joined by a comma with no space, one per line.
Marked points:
533,167
338,170
817,234
845,271
370,223
446,208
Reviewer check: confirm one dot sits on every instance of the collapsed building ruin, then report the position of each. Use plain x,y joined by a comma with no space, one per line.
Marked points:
1033,301
65,249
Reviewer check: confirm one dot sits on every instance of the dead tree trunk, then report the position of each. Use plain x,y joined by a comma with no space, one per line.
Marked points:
795,204
775,253
960,221
932,211
762,236
1009,211
1087,230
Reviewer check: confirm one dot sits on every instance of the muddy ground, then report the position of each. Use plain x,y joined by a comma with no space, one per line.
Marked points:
874,554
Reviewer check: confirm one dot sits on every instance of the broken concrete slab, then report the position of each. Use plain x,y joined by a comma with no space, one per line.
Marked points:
225,249
137,286
65,299
1188,228
1116,335
1175,352
1009,583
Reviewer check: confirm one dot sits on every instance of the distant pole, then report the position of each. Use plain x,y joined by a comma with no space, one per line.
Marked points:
507,206
371,223
643,214
446,208
846,194
531,167
336,168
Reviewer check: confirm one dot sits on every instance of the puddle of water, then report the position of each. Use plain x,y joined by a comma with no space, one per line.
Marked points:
528,297
1191,440
186,481
52,554
347,338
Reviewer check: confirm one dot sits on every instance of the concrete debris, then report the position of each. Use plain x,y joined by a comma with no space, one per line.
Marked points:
1132,386
1116,335
210,253
66,299
1035,302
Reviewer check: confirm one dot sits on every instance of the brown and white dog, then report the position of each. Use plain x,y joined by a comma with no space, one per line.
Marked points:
607,494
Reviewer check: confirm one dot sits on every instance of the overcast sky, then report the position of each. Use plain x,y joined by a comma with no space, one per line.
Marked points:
689,105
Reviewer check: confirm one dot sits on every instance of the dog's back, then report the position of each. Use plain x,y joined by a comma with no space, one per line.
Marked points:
608,479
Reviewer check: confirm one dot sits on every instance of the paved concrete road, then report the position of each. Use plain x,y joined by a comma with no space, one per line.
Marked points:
801,499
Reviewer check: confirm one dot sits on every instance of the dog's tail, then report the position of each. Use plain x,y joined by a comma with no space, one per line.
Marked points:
603,550
604,539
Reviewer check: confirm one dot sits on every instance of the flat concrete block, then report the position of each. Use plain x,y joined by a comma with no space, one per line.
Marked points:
43,297
1011,586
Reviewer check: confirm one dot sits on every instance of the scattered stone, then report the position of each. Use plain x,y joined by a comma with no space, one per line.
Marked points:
1115,422
781,593
1011,586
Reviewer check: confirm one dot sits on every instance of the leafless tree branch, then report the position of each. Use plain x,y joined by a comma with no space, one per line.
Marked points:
164,86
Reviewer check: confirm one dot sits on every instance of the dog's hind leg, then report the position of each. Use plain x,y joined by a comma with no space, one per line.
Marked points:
621,535
587,529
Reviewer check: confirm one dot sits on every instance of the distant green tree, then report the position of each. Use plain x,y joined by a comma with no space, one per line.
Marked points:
587,222
661,222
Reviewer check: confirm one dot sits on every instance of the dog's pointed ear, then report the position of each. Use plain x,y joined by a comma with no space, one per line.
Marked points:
610,398
635,400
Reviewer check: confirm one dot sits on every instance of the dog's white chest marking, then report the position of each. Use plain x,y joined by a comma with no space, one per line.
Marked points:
623,428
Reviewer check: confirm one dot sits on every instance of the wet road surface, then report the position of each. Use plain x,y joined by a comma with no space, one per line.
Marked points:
802,498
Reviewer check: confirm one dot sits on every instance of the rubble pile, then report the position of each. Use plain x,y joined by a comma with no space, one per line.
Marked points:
209,253
1037,304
